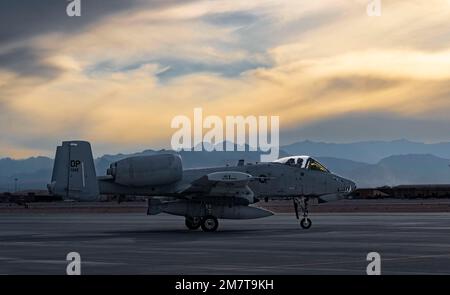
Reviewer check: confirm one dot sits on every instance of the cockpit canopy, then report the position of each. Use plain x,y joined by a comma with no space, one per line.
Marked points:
305,162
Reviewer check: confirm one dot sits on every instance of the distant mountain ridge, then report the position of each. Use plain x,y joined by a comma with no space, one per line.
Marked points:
396,167
32,173
368,151
393,170
10,166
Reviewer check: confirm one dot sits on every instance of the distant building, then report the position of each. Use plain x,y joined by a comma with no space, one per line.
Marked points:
404,191
422,191
28,197
369,193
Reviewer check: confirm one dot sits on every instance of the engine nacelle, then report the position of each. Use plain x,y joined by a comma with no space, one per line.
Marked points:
147,170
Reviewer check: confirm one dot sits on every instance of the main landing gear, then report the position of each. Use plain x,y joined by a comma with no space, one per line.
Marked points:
208,223
193,223
305,222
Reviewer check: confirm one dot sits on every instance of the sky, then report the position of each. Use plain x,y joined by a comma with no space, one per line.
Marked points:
118,74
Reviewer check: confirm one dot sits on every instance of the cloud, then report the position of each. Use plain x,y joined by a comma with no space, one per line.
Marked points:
27,19
26,61
120,77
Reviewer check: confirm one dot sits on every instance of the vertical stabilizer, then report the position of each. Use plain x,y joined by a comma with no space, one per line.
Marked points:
74,174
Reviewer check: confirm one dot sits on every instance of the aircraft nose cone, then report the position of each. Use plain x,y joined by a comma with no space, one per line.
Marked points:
347,186
351,186
344,186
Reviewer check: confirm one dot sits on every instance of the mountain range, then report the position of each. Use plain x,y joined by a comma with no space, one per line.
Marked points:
368,151
369,164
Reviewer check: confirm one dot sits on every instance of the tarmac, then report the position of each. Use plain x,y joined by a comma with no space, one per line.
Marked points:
133,243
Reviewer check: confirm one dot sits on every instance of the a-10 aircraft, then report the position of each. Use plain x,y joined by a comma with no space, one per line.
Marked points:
201,195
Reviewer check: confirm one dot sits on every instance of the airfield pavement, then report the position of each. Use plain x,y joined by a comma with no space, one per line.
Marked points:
133,243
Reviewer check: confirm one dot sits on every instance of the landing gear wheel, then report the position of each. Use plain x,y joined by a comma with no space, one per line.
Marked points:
305,223
302,202
192,223
209,223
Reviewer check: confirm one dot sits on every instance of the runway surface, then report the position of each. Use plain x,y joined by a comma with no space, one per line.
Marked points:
138,244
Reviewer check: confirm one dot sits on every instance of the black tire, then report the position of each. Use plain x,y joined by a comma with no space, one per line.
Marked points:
210,223
192,223
305,223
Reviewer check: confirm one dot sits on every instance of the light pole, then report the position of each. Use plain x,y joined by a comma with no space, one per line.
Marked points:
15,184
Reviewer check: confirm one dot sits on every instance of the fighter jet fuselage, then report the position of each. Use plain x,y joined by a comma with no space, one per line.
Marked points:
272,181
202,195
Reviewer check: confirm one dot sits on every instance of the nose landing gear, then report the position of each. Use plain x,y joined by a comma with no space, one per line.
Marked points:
305,222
